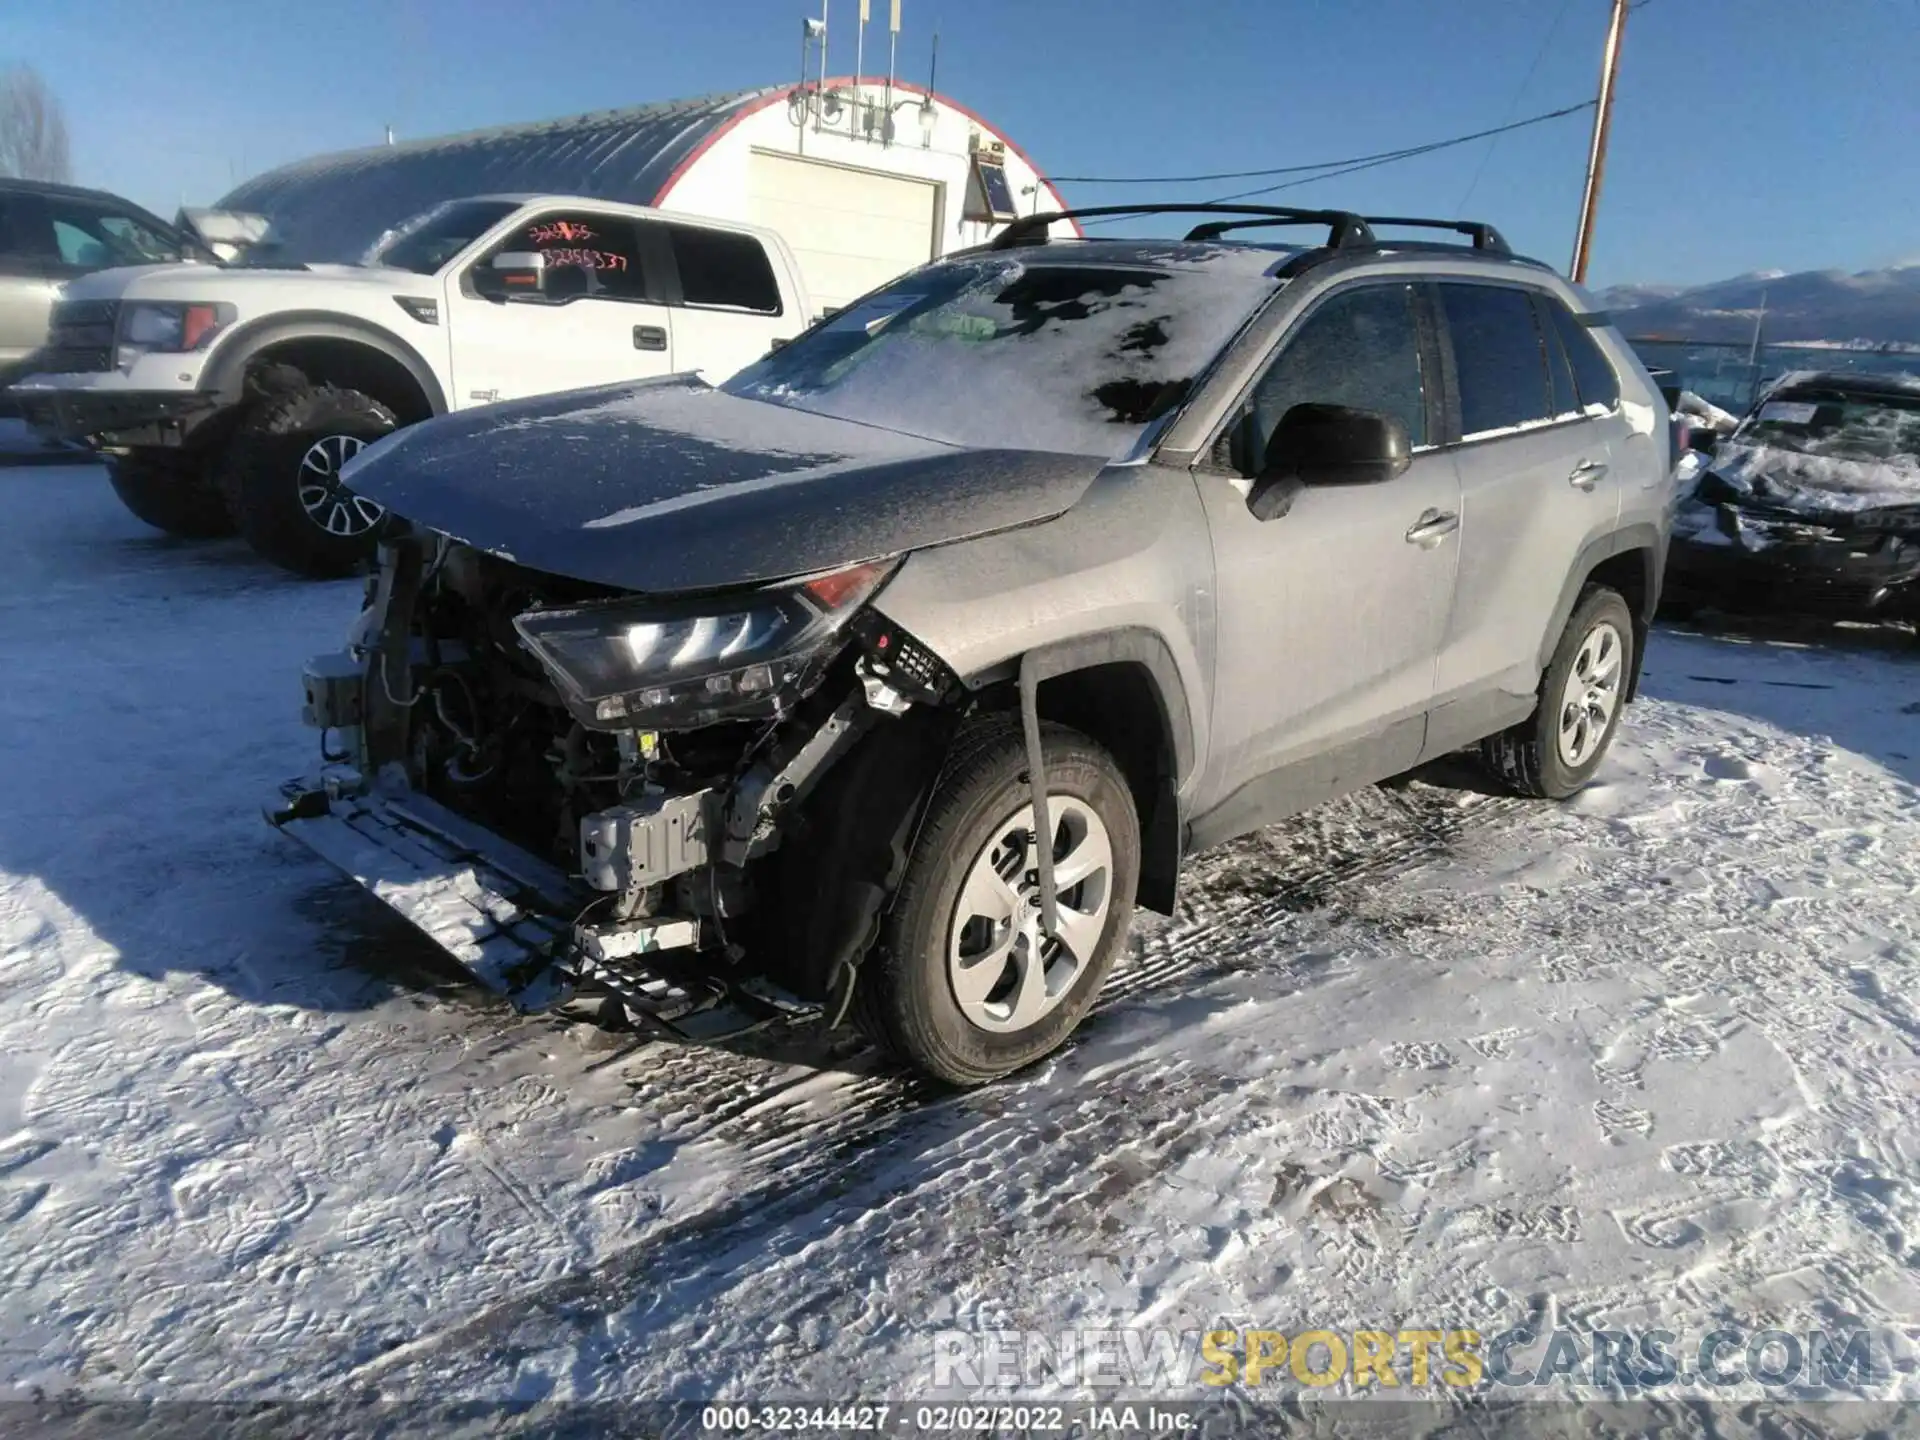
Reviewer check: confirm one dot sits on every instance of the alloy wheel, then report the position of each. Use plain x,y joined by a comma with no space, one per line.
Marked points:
1591,695
328,502
1007,973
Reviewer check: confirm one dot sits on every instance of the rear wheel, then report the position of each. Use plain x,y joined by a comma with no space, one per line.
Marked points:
284,479
171,493
965,984
1555,752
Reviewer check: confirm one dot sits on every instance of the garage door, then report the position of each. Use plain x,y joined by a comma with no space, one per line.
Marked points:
850,229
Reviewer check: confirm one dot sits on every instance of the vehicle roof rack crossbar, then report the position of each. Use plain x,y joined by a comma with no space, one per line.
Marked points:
1344,227
1344,231
1483,235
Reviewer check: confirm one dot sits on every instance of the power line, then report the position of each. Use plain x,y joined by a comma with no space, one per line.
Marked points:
1382,157
1388,158
1518,96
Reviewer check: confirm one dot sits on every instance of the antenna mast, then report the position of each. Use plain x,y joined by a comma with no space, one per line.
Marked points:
893,56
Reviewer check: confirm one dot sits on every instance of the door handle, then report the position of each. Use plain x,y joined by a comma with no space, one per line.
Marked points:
1587,474
649,337
1432,527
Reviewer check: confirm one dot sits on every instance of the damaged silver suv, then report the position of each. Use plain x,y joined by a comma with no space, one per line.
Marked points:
885,679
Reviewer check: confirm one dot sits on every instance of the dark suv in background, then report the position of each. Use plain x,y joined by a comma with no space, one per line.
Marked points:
50,234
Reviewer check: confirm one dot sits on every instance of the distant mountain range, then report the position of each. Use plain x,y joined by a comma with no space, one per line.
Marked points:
1873,307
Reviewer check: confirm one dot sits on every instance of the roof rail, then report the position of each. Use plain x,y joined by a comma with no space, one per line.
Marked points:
1484,236
1344,228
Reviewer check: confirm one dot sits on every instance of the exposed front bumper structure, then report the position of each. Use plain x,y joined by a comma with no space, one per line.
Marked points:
113,419
1737,561
512,920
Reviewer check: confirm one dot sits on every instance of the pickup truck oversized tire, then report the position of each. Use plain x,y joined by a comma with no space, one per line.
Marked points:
170,493
1555,752
951,988
282,478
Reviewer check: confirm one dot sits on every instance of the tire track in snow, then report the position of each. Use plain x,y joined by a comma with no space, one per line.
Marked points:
814,1138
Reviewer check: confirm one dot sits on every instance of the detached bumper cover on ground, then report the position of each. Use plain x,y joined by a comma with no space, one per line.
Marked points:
508,917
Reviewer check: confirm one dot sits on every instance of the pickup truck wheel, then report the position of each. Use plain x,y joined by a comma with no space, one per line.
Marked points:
964,984
171,494
1554,753
284,479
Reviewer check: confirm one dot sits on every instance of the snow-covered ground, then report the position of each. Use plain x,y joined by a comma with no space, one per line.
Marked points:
1425,1056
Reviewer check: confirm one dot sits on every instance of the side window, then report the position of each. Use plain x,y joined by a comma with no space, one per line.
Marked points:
589,257
1497,356
1593,373
724,268
80,247
1360,348
93,239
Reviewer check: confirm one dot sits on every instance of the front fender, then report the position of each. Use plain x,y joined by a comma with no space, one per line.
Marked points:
226,370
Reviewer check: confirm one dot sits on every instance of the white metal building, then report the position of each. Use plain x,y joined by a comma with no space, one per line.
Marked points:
864,180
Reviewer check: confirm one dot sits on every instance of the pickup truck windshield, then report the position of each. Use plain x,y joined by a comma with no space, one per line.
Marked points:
1009,353
429,241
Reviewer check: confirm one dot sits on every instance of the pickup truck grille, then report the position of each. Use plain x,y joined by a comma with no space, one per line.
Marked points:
80,339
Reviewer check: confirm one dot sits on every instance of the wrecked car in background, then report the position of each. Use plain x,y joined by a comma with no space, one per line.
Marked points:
1811,507
882,679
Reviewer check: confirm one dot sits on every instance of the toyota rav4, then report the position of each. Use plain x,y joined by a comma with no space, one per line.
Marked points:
884,679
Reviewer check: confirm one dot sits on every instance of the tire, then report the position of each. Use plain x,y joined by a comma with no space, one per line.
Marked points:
908,992
283,459
1534,757
171,494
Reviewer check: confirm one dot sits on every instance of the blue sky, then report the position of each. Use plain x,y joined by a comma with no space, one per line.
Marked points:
1748,134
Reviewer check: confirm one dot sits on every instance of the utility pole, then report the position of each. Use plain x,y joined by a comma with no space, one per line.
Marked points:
1597,152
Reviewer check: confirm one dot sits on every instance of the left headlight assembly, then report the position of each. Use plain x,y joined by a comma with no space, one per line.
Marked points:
169,328
625,665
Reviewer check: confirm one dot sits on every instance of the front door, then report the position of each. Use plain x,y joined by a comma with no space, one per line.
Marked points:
1329,617
597,322
1539,481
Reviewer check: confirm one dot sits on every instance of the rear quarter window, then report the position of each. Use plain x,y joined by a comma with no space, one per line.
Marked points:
1593,373
725,269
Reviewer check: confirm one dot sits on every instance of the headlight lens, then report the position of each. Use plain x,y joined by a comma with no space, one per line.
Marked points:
625,665
148,327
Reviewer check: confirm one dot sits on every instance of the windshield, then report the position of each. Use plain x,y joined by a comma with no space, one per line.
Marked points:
1014,354
1838,426
429,241
1828,450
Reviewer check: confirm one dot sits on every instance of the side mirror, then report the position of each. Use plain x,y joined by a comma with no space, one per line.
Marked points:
520,272
1327,445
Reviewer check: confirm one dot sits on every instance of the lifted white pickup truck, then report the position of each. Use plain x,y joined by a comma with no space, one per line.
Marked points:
226,396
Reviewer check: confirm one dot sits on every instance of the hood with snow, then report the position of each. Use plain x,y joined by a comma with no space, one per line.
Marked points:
671,485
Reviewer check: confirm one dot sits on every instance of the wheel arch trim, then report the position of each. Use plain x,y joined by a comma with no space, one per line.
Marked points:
226,370
1163,829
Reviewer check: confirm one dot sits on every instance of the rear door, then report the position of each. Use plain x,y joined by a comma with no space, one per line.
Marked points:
850,229
1537,484
728,307
1329,617
602,320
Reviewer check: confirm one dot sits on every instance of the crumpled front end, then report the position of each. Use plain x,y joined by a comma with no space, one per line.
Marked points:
589,796
1732,552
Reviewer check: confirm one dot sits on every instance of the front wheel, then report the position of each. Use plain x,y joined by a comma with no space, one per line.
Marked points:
283,478
966,985
1555,753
